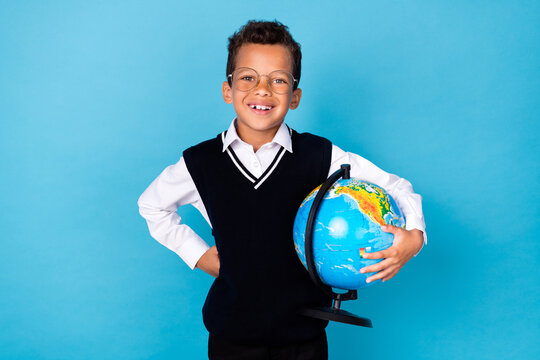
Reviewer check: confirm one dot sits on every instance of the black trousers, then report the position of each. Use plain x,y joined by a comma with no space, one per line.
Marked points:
315,349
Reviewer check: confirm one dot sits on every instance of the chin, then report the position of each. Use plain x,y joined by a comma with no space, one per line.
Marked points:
261,124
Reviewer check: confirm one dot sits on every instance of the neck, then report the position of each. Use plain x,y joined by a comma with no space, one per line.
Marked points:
256,138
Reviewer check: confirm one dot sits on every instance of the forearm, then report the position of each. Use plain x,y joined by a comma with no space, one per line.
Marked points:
165,226
409,202
209,262
158,205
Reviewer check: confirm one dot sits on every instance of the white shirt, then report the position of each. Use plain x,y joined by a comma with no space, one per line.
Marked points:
174,187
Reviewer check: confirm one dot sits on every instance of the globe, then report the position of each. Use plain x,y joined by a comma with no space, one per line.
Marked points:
348,224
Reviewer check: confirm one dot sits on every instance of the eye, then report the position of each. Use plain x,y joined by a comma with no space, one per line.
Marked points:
280,81
246,78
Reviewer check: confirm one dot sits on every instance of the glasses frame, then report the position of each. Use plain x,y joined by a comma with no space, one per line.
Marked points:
230,79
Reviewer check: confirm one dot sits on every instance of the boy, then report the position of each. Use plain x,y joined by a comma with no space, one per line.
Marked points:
248,183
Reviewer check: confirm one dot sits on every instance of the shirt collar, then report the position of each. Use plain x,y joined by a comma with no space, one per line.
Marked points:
282,137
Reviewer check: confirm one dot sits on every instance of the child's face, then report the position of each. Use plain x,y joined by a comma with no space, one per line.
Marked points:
255,123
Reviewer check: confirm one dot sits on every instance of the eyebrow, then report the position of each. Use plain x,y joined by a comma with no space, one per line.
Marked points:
247,67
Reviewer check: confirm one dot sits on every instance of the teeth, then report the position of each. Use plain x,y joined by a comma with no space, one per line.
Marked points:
260,107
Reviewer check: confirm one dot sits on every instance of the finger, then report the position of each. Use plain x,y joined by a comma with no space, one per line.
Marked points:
381,274
374,255
389,276
376,267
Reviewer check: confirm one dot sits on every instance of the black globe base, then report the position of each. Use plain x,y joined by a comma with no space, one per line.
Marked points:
339,315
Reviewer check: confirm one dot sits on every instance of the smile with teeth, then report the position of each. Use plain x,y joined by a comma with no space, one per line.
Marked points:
260,107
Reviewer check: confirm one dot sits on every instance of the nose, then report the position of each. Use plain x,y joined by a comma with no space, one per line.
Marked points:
263,87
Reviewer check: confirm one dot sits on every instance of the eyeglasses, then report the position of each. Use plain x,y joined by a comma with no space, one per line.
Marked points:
246,79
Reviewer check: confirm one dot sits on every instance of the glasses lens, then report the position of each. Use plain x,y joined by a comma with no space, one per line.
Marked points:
280,81
244,79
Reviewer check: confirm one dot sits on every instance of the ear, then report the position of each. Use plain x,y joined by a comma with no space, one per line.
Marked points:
295,101
227,92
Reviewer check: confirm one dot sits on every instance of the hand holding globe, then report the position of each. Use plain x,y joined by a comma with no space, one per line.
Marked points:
407,243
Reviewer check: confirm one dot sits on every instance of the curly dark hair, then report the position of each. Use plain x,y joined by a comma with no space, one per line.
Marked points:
264,32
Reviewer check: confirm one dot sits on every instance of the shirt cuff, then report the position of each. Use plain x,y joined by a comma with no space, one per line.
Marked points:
192,250
410,225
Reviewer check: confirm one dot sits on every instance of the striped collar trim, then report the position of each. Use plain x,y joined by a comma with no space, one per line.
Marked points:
256,181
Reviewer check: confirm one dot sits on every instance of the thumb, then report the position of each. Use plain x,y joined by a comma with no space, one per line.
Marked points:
389,228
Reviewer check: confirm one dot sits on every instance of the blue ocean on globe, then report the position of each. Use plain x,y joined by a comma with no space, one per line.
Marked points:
347,225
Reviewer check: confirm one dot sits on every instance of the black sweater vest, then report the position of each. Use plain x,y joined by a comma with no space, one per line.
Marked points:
262,283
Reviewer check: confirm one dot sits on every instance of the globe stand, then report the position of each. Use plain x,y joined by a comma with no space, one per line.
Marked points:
333,313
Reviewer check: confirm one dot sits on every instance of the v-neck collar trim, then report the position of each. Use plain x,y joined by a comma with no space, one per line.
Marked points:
257,181
282,136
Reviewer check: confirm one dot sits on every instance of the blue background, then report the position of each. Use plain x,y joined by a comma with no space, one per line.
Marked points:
97,98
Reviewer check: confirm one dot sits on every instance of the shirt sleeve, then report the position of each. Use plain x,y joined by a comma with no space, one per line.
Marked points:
158,204
400,189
